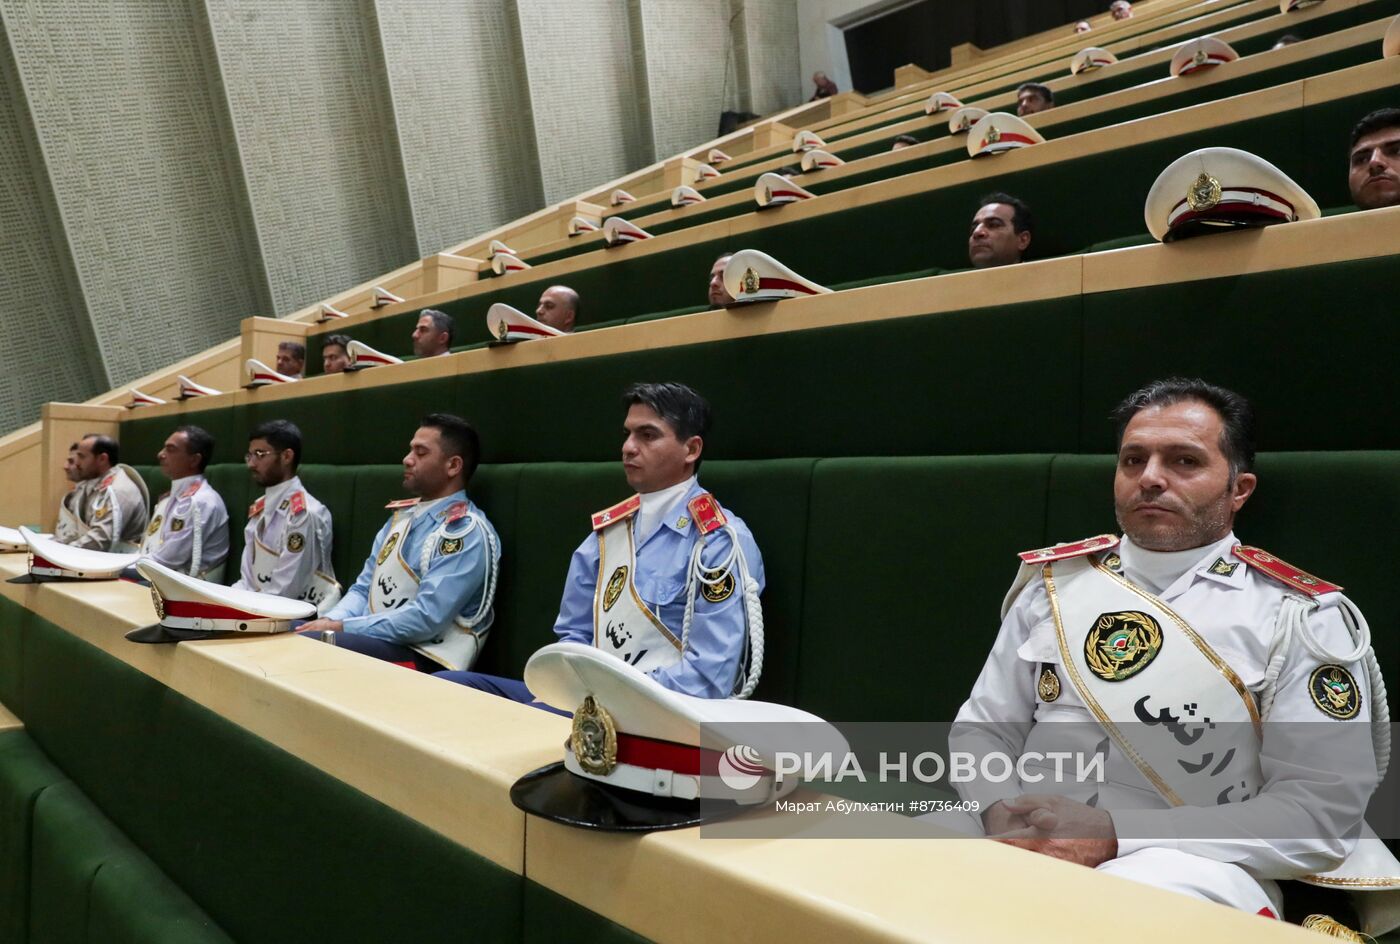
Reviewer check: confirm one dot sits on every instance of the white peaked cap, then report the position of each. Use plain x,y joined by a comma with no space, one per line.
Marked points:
707,172
1201,54
13,540
361,355
1390,46
617,231
498,246
619,196
1225,188
1000,131
753,276
48,558
1091,58
260,375
806,140
941,101
328,313
510,324
716,156
817,159
685,196
1288,6
142,399
190,608
382,296
775,190
962,120
188,388
580,224
504,262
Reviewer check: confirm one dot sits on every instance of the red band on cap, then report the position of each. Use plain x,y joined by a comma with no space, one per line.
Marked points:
785,285
666,755
187,610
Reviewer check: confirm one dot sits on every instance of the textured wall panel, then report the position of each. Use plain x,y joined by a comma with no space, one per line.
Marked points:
588,125
688,56
316,138
44,336
136,141
774,62
463,108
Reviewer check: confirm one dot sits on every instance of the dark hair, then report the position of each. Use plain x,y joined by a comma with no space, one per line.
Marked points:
906,139
442,321
1042,90
280,434
1378,120
724,255
200,443
681,407
790,170
103,445
1022,220
341,339
1236,414
459,438
294,348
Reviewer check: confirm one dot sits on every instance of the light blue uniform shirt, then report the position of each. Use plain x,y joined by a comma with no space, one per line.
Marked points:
453,583
710,663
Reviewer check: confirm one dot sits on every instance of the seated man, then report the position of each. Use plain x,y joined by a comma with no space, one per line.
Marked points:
334,354
1081,629
904,141
1375,160
69,525
189,525
424,598
1121,9
432,335
558,308
1032,97
719,295
287,542
1002,229
825,87
291,359
631,581
107,512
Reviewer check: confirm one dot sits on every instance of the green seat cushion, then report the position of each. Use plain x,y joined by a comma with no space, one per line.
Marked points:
25,773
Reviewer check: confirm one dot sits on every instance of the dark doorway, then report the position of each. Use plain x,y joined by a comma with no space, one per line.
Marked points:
925,32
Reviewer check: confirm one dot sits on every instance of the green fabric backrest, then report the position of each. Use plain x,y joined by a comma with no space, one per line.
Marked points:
25,773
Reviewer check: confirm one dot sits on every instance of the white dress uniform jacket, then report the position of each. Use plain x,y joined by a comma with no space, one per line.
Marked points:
189,530
287,546
111,512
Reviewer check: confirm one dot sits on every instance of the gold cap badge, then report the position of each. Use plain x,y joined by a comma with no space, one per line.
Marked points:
1204,192
751,281
594,738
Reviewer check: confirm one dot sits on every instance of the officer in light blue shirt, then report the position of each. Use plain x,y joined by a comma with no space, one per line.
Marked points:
424,597
668,581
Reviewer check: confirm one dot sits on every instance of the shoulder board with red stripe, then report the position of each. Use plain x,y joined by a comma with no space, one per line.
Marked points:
256,508
298,503
402,503
618,512
191,489
107,482
707,513
455,512
1044,555
1284,572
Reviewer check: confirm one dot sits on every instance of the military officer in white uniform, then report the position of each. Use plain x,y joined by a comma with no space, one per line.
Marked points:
189,524
109,508
425,596
287,542
69,526
1227,692
669,581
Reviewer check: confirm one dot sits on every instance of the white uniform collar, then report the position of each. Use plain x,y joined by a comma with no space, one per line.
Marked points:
275,493
177,487
659,506
437,504
1160,571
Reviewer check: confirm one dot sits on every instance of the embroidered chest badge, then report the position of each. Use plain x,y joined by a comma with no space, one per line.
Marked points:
1334,692
387,549
449,545
720,590
1120,645
295,541
616,582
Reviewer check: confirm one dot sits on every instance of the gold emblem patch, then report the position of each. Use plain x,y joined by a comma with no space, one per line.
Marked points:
449,545
719,591
1113,562
154,525
177,524
1204,193
616,582
387,549
99,513
160,604
993,135
594,738
295,541
1048,688
502,329
751,282
1223,568
1120,645
1334,692
1199,57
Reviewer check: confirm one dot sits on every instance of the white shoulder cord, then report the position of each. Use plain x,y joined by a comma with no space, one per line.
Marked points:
488,593
116,511
197,539
1293,621
753,611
